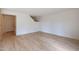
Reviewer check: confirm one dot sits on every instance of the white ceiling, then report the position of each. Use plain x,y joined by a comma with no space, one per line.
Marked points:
37,11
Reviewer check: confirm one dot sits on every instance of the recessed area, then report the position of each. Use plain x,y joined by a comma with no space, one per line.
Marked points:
9,23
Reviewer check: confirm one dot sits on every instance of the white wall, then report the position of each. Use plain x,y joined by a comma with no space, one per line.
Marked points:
24,24
64,23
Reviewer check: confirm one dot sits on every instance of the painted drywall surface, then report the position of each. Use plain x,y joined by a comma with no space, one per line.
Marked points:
24,24
65,23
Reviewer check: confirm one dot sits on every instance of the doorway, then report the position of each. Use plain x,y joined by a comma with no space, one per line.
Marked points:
9,24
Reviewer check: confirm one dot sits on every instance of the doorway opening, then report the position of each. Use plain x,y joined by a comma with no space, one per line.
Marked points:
9,24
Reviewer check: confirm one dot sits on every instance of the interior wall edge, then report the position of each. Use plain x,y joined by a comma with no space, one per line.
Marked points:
24,24
63,24
60,35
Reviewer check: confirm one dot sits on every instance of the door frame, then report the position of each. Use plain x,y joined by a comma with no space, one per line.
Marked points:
14,21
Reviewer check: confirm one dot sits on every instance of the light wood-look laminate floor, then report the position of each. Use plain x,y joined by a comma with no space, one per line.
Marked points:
37,41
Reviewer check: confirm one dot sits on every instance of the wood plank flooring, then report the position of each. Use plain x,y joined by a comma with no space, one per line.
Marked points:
37,41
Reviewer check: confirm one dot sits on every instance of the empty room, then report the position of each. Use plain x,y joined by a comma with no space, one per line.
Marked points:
39,29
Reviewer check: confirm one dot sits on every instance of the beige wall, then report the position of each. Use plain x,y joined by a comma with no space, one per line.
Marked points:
64,23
